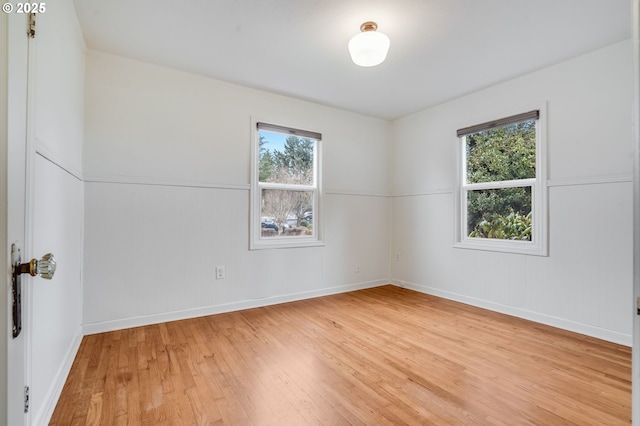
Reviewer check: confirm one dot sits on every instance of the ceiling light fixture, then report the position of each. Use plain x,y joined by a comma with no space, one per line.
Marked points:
369,48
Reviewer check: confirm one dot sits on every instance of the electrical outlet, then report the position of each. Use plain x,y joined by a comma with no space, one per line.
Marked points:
397,257
357,269
220,274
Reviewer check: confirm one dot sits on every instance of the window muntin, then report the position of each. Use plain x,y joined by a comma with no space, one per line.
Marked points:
502,203
286,187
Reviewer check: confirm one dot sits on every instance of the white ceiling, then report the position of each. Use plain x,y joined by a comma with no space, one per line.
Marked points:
440,49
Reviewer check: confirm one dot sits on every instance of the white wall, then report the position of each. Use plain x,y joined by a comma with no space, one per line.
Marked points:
167,167
57,202
585,283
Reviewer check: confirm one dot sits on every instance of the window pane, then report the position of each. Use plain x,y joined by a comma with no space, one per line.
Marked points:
500,213
505,153
286,159
286,213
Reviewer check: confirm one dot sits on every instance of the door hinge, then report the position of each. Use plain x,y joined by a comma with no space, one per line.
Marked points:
638,305
26,399
32,25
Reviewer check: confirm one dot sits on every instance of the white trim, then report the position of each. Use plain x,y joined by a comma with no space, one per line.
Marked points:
105,326
256,241
30,170
43,416
591,180
133,180
286,242
635,120
59,164
4,220
538,246
521,183
356,194
141,180
288,187
576,327
439,191
551,183
503,246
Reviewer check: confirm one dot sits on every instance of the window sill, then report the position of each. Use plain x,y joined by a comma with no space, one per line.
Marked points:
282,243
502,246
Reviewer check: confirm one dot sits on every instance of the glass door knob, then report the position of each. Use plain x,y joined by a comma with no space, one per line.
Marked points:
45,267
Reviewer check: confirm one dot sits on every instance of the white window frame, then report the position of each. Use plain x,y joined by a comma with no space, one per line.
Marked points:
256,240
538,245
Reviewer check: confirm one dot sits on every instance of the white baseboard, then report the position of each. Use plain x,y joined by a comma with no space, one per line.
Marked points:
43,416
576,327
120,324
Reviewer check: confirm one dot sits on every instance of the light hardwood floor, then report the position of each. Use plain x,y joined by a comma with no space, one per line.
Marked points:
379,356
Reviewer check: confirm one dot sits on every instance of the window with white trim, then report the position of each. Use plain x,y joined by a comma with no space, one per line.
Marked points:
286,187
502,190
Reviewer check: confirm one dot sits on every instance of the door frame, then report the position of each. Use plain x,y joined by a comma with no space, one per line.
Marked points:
635,376
4,241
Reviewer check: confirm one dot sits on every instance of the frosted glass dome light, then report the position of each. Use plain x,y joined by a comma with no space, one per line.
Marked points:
369,48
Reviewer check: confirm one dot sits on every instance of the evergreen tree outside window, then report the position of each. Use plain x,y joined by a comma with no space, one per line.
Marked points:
502,204
285,187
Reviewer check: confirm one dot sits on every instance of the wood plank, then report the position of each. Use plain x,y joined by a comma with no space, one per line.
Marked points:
379,356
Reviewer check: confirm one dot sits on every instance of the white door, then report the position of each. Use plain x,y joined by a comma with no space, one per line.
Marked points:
44,116
13,77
